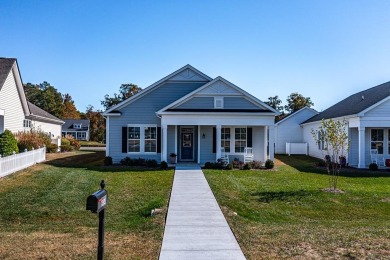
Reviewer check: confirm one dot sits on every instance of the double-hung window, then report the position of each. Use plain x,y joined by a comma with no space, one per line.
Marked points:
240,139
150,139
377,140
27,123
142,139
225,139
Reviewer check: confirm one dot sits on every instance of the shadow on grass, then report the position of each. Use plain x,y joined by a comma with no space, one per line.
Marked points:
267,197
94,161
309,164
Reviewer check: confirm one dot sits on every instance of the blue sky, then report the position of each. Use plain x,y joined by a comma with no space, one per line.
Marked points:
325,50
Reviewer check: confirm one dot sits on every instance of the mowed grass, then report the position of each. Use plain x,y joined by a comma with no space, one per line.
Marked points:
284,214
43,215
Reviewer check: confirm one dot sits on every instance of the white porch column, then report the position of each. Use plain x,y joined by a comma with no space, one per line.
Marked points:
218,142
271,131
362,147
164,146
107,135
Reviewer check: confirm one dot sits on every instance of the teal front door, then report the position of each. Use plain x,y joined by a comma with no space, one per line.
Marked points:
187,144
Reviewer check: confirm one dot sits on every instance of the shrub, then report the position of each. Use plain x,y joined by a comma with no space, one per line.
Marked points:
51,148
108,160
256,165
8,143
65,141
229,166
32,139
164,165
373,167
214,165
125,161
151,163
66,148
269,164
247,166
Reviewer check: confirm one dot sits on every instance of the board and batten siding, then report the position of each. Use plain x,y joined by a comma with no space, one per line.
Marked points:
290,131
143,111
381,110
11,104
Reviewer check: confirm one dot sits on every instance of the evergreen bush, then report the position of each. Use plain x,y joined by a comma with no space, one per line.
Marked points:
8,143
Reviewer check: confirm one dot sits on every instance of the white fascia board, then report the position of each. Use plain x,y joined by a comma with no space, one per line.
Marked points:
219,78
45,119
153,86
334,119
18,80
362,113
111,114
217,120
231,114
296,113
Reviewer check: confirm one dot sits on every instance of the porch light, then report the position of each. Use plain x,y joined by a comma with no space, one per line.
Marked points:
203,136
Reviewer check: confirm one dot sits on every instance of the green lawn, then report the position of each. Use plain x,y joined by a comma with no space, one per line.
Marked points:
43,212
284,213
91,144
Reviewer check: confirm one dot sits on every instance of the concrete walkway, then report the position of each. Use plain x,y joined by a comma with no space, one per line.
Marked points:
195,226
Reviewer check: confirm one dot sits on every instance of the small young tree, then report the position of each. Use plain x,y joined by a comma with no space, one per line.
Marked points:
332,138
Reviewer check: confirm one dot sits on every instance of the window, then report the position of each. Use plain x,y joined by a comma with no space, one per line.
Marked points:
388,143
142,139
240,139
27,123
150,139
377,140
321,141
134,139
81,135
77,126
225,139
218,102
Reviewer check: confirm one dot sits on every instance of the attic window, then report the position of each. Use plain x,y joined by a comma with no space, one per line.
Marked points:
218,102
77,126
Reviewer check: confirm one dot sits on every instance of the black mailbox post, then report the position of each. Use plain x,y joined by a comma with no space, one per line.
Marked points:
97,203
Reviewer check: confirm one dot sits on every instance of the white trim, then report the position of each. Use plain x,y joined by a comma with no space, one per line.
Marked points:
141,138
234,114
112,114
193,144
333,118
2,112
244,93
153,86
296,113
362,113
226,120
108,136
216,100
199,144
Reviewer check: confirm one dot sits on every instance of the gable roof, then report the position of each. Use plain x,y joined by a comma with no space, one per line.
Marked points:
235,90
68,125
176,75
6,66
355,103
41,115
296,113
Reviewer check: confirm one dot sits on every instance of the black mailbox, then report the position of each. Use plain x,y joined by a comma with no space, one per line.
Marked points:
97,201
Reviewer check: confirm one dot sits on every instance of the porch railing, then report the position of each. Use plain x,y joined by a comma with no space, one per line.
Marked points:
20,161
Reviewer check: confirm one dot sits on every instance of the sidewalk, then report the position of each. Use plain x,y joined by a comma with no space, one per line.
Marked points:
195,226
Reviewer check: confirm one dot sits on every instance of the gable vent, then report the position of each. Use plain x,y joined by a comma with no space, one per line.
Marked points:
218,102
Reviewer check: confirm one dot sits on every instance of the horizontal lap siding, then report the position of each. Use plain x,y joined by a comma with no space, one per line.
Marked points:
308,138
54,129
143,111
171,139
353,159
258,136
238,103
11,104
381,110
198,102
206,145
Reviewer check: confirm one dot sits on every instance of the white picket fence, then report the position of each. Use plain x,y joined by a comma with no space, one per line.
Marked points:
20,161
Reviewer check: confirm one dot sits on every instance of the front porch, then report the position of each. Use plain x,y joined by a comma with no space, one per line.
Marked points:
203,143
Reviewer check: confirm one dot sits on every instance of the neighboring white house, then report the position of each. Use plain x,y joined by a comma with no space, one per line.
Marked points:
16,113
367,118
192,115
78,128
289,130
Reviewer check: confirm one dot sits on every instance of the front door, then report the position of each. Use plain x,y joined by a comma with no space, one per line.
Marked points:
187,144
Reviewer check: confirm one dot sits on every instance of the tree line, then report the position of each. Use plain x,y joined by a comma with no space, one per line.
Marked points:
48,98
295,102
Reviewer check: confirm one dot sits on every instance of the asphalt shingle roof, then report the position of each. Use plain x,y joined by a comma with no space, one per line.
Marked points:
5,67
355,103
70,122
36,111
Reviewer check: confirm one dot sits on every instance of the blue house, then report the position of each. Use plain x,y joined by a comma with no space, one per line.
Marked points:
192,115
